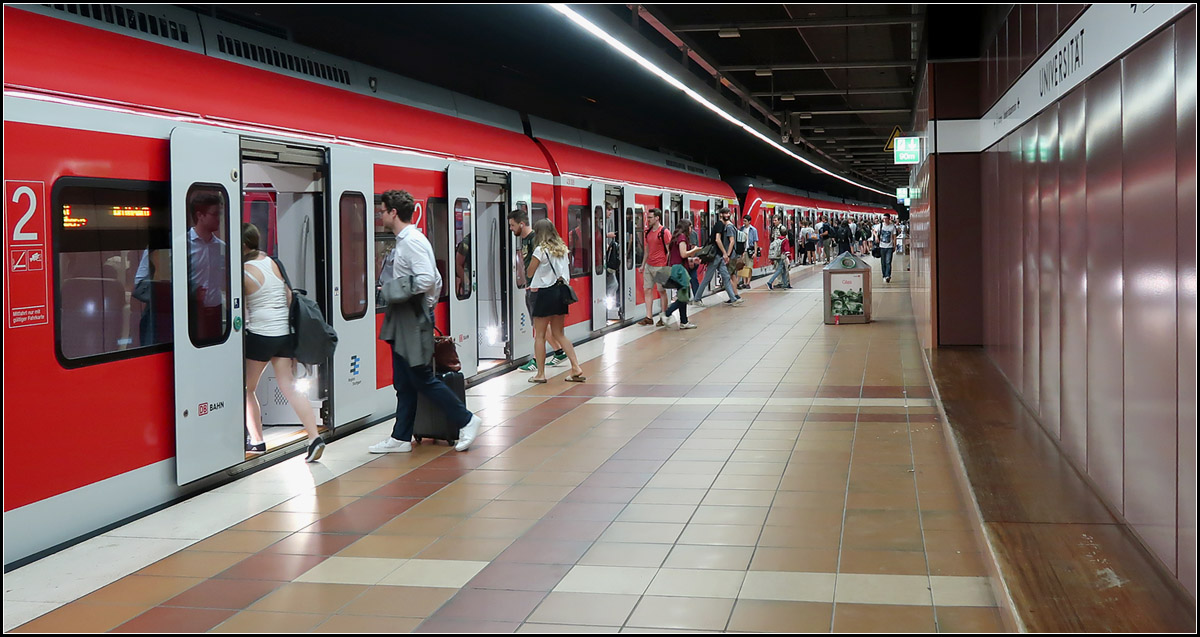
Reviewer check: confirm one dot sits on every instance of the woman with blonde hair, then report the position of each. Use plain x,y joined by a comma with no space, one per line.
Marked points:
549,275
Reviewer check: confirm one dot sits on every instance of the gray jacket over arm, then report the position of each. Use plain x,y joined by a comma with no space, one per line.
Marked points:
406,325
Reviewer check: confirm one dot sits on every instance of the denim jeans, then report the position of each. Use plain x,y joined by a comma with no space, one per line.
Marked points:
781,271
718,265
885,255
682,307
695,281
409,381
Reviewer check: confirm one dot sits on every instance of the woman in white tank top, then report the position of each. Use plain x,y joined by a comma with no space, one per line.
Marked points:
269,340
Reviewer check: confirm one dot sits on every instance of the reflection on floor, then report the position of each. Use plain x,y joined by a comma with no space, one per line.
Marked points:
485,365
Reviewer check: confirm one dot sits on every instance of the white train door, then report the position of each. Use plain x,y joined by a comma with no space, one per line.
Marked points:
206,261
599,252
629,241
521,321
460,189
352,312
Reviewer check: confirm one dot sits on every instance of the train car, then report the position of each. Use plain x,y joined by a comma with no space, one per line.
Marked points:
792,210
134,137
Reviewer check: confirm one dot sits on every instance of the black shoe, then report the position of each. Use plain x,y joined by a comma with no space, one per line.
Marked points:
256,449
315,450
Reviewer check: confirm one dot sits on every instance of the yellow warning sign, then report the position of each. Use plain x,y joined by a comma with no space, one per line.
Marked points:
892,138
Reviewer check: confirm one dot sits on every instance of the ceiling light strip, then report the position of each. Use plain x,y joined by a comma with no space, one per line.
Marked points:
597,32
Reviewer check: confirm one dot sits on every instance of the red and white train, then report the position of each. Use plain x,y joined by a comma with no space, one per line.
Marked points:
123,385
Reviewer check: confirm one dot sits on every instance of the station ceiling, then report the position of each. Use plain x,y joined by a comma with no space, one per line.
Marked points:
835,79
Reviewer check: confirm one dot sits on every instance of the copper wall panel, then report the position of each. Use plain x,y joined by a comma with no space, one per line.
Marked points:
1151,370
1014,260
1185,195
1048,256
1067,14
1106,385
1047,26
1072,241
1013,58
1030,202
959,260
1029,35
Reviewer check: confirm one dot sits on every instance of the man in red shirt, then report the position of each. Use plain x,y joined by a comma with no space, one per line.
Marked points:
656,270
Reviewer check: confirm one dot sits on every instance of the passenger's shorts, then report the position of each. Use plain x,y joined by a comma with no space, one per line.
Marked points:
530,293
648,276
264,348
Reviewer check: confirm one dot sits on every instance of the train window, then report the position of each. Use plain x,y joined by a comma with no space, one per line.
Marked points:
629,238
113,276
462,247
353,208
539,212
385,242
208,264
437,224
639,244
598,234
579,239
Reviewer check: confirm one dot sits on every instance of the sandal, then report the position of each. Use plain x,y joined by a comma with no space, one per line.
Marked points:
537,380
576,378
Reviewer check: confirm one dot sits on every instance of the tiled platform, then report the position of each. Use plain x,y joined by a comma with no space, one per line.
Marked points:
764,473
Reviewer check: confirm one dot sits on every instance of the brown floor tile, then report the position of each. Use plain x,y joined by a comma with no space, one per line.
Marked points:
491,605
817,482
343,624
515,576
894,501
566,529
249,621
224,593
823,500
941,501
495,528
962,563
788,516
761,616
944,521
393,546
402,488
591,609
794,537
399,601
82,618
272,566
882,530
768,558
952,541
239,541
277,521
409,524
515,509
444,506
141,590
193,564
466,626
696,613
305,597
315,504
174,620
544,551
883,562
475,549
339,486
882,618
312,543
969,619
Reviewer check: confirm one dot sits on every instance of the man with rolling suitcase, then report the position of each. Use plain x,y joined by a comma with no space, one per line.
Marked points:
408,325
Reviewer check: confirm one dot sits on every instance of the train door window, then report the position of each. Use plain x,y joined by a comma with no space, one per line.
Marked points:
676,211
579,231
437,225
598,234
539,212
639,244
353,218
629,235
385,242
208,277
462,247
113,276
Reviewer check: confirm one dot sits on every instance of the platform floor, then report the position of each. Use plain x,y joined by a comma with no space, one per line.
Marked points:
763,473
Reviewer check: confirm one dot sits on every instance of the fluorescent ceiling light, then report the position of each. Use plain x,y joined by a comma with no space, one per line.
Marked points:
729,33
598,33
805,115
818,130
787,98
762,73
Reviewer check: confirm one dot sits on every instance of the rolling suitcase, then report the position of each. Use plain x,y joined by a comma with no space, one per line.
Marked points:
431,422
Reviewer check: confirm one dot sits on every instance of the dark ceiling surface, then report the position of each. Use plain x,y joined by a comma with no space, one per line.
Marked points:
857,71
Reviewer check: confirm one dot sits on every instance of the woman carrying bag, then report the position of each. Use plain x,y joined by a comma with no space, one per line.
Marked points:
549,282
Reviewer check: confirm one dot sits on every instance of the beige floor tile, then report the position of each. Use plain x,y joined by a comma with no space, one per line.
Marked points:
669,496
688,582
753,483
642,532
962,591
470,549
728,558
399,601
741,515
617,580
695,613
305,597
746,455
722,534
626,554
419,525
681,481
739,497
907,590
557,629
537,493
495,528
351,570
785,586
515,509
391,546
594,609
657,513
434,573
349,624
753,469
250,621
702,455
556,478
691,467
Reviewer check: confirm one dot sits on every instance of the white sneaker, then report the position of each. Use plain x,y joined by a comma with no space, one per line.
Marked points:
391,445
687,326
467,434
739,301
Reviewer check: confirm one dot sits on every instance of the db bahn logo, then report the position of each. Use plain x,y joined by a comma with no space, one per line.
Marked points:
203,408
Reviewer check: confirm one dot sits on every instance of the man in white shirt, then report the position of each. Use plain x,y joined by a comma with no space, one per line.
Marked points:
885,240
853,235
413,257
208,269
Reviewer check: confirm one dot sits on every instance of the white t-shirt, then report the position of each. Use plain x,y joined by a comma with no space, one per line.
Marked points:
887,235
549,269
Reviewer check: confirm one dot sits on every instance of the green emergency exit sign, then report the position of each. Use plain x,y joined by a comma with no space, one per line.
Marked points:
907,150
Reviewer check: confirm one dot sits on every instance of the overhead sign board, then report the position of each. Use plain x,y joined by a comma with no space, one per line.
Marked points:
907,150
901,193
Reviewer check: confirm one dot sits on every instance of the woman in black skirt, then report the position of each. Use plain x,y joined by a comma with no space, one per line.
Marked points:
549,275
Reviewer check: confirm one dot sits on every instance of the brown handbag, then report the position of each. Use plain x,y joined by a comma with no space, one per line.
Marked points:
445,353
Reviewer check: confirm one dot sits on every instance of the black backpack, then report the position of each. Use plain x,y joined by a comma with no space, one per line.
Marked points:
612,260
314,340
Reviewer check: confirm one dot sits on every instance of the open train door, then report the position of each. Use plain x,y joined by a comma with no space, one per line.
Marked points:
519,318
352,308
206,250
599,251
460,187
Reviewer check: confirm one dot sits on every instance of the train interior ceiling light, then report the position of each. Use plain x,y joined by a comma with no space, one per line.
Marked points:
596,31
